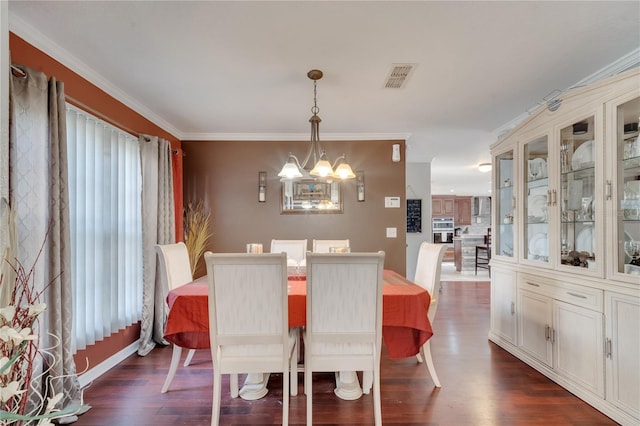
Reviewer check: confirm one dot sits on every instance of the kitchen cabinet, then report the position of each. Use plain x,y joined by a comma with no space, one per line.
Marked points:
562,219
458,208
505,232
503,297
462,211
442,206
566,209
623,351
534,332
556,330
578,346
623,188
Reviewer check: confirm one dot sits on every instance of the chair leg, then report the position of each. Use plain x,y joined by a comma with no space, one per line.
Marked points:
215,410
476,260
377,405
367,381
189,357
426,353
234,389
293,373
285,391
173,367
308,389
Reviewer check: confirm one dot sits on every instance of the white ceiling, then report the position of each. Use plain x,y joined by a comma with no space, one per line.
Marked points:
237,69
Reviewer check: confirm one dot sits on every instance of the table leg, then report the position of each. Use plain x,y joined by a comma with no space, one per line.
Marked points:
255,386
347,385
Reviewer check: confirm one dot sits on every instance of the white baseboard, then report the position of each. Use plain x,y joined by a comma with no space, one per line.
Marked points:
90,375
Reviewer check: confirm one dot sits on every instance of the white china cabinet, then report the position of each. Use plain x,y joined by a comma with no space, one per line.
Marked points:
566,255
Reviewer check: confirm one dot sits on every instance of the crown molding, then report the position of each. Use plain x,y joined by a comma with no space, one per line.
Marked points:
293,136
34,37
626,62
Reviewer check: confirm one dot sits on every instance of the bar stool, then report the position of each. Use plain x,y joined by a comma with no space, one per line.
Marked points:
483,253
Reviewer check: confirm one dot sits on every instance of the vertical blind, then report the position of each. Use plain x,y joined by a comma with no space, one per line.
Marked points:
106,227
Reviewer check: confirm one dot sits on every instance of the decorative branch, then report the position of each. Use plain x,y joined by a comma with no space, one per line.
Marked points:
196,233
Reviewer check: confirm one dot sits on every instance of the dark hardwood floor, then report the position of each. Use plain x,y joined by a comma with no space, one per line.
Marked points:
481,385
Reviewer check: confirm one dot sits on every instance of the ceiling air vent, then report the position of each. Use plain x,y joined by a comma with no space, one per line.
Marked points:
398,75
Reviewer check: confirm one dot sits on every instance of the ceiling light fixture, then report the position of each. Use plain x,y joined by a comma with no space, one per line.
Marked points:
322,168
484,167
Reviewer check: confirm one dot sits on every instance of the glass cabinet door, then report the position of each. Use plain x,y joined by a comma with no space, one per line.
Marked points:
577,195
537,199
504,240
628,188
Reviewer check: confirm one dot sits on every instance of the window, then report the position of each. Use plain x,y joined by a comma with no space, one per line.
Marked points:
106,227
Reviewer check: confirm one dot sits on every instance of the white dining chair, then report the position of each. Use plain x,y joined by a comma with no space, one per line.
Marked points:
344,319
296,250
175,270
428,269
324,246
249,320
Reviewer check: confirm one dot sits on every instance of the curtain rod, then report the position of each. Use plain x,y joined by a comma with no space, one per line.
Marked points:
17,71
20,73
101,116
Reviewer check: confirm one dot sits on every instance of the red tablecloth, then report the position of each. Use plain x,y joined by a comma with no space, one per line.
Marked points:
405,326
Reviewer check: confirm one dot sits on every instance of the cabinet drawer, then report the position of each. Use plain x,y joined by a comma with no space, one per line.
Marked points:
586,297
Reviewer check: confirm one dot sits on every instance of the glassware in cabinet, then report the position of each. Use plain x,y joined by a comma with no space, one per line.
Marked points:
537,199
577,194
504,238
628,188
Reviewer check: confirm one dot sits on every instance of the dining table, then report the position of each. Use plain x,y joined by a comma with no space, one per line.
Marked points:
405,326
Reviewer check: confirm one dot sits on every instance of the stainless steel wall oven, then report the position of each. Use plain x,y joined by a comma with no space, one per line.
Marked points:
443,230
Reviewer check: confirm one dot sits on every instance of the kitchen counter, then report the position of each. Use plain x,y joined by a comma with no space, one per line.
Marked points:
465,251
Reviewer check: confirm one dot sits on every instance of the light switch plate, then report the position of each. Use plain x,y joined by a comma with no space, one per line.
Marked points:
392,232
392,202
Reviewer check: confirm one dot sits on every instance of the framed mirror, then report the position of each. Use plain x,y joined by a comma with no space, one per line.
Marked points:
311,196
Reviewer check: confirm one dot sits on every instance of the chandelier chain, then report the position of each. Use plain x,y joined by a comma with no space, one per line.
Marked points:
314,109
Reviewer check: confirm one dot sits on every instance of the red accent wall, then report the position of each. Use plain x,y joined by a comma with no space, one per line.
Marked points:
94,100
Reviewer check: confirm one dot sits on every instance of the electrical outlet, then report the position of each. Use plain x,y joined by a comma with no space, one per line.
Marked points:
392,232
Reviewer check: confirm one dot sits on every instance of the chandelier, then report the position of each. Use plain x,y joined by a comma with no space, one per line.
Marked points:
322,168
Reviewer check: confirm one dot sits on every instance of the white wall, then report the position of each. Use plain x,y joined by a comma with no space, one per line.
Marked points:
418,178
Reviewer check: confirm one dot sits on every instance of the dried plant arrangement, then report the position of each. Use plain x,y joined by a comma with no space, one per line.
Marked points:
196,232
20,354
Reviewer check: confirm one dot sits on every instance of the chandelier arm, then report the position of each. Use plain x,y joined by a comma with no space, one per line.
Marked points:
296,160
315,150
308,157
342,158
